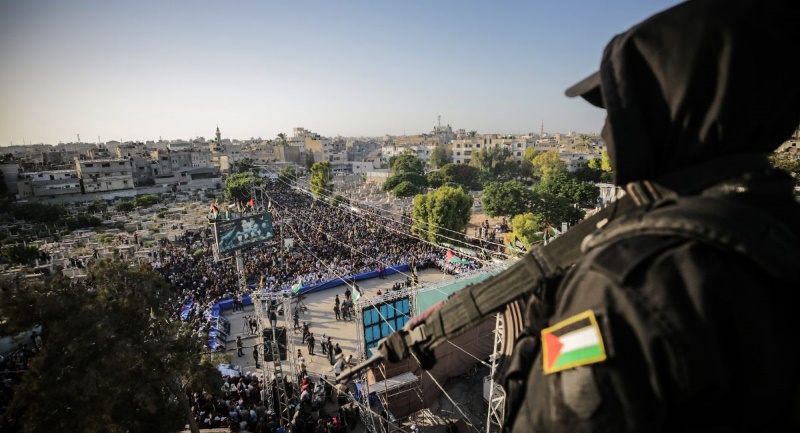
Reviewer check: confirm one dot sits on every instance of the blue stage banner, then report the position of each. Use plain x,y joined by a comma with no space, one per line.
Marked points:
228,303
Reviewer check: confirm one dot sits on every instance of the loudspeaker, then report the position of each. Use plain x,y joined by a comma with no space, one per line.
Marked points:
280,335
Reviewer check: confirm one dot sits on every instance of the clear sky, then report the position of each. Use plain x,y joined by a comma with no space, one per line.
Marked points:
142,69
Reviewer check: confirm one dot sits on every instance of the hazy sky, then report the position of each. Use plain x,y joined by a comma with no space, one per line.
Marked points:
137,70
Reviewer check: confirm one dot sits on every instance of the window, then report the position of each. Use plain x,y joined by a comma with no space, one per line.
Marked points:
121,163
89,165
106,164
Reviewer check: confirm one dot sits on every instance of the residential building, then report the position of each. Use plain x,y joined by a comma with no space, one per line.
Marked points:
50,184
423,152
100,175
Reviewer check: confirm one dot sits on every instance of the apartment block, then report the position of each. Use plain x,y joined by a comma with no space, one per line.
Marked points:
51,184
105,174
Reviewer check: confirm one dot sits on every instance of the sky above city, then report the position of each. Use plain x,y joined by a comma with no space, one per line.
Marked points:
139,70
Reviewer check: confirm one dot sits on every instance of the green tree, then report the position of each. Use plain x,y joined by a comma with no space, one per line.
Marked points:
39,212
462,174
109,361
497,162
590,171
287,175
243,165
405,189
124,206
321,181
436,179
562,184
606,162
145,200
282,138
548,164
584,142
507,198
442,215
555,209
530,153
83,221
407,163
439,156
417,179
337,199
526,226
239,186
97,206
20,253
309,160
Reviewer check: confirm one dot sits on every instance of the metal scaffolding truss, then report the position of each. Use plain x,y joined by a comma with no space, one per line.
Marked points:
367,415
271,370
497,396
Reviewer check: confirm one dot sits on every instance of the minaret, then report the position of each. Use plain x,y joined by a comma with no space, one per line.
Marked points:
219,136
541,132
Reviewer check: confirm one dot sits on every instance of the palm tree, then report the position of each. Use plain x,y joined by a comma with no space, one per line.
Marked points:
584,141
282,138
472,134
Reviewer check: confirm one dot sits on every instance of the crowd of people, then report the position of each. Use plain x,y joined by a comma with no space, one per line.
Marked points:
329,243
242,405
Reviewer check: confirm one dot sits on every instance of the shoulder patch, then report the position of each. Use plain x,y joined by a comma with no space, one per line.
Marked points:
571,343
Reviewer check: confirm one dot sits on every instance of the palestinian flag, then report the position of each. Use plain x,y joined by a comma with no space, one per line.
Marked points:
214,208
449,257
507,241
251,203
572,343
296,288
356,295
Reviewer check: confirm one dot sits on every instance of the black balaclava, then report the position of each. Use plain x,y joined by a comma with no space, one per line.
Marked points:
701,80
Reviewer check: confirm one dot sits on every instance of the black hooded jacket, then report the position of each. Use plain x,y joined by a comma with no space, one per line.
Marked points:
656,333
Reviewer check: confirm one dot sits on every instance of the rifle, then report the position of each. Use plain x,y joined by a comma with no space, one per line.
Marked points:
702,218
507,291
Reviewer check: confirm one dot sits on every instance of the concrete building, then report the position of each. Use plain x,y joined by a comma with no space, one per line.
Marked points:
423,152
575,161
46,185
462,149
100,175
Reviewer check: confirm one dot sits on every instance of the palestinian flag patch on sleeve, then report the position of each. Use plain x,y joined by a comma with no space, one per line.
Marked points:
571,343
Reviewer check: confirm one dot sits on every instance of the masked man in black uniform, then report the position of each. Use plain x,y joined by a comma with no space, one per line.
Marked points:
663,332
